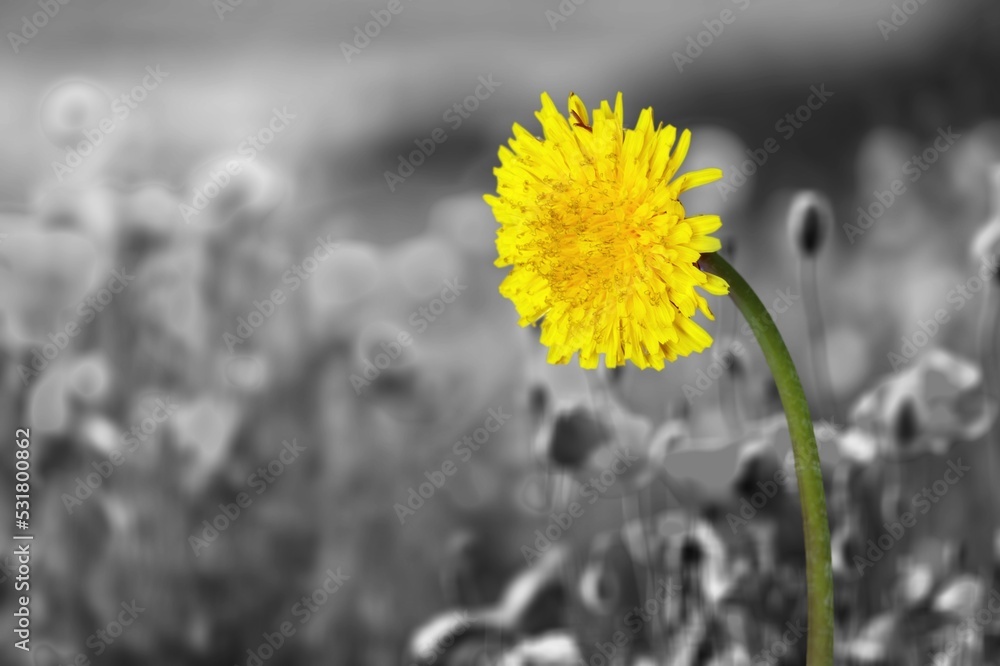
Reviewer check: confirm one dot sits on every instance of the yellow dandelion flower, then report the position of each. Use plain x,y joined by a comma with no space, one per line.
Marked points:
600,247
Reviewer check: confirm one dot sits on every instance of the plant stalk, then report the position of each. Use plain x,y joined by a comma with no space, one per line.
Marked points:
819,569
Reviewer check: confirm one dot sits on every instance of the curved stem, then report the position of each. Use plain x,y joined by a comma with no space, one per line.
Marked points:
819,570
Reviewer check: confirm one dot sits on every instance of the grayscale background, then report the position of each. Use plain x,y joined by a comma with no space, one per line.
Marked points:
279,413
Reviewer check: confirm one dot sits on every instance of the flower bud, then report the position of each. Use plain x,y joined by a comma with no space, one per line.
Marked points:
810,218
907,425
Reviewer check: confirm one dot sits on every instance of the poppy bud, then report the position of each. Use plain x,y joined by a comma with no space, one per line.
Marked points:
538,402
730,357
692,553
810,218
907,426
729,246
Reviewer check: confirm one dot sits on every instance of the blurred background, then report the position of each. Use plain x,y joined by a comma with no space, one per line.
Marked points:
279,413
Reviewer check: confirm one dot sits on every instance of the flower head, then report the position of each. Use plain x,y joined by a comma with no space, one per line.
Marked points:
601,249
937,401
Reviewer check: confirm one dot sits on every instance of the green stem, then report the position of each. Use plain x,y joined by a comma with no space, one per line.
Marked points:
819,570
